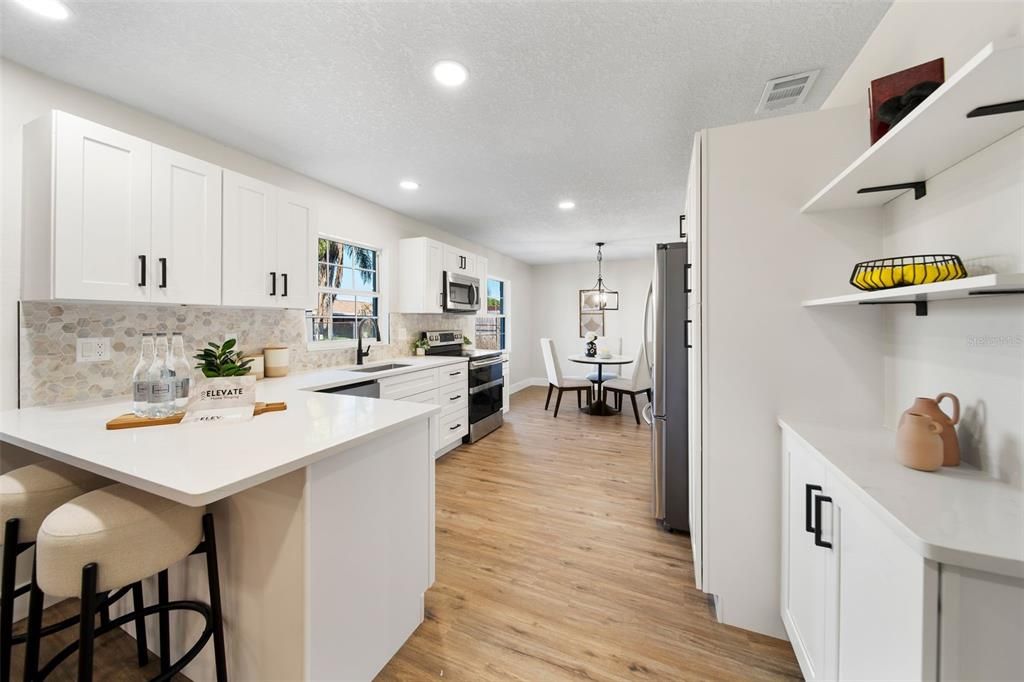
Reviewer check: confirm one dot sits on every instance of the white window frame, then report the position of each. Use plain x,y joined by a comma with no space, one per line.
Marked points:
506,289
382,306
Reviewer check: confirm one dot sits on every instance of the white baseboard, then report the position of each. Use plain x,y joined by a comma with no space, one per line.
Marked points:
526,383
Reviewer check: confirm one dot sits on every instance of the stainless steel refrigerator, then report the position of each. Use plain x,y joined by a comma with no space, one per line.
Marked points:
665,339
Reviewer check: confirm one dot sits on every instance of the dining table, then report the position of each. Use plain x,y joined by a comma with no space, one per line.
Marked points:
598,407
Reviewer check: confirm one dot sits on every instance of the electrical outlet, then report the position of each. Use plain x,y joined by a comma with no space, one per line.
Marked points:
92,350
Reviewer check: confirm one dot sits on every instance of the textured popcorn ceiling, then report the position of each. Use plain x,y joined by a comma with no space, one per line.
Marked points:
597,101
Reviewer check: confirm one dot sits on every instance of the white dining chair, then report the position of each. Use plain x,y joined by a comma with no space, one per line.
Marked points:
639,382
612,344
559,382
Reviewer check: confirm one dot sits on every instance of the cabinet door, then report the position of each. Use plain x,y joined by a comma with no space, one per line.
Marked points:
295,227
695,435
101,213
250,276
456,261
694,219
186,256
805,566
888,598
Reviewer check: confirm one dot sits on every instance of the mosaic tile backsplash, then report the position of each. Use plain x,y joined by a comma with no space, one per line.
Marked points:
49,373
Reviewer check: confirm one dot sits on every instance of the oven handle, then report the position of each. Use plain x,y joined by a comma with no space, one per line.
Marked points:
488,385
475,364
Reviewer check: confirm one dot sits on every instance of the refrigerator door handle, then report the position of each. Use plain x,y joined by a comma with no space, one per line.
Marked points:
648,413
647,338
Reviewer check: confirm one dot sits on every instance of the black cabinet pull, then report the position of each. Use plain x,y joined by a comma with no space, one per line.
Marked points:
452,428
163,273
284,278
142,271
455,397
454,374
686,278
817,515
273,284
686,334
809,491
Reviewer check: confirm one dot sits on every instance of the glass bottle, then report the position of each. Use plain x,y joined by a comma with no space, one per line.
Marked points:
182,371
161,393
140,377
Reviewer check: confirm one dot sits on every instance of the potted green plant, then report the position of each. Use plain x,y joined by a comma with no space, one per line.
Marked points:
421,346
466,342
226,382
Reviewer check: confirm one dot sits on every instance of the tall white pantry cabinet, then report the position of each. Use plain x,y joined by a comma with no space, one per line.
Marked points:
109,216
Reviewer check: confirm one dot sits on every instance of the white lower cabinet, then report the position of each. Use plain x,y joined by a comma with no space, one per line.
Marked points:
445,386
861,603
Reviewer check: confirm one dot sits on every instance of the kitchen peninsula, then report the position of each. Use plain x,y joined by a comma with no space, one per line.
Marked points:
324,512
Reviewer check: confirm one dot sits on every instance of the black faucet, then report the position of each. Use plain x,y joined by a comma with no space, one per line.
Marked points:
360,353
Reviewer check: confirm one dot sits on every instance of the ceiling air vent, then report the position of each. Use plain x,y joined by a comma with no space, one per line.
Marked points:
786,91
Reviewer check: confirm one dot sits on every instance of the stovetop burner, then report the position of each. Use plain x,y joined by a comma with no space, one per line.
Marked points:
449,342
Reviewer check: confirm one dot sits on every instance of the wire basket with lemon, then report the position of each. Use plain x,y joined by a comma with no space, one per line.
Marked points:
905,271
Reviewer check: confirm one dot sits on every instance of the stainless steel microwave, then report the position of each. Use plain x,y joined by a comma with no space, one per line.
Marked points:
461,293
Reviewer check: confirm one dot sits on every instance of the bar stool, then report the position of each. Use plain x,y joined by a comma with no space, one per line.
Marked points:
119,535
27,495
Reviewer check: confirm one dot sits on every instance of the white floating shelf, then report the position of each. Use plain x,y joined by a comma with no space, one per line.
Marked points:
937,134
938,291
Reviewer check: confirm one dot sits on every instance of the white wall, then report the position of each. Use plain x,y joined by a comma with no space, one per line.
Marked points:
28,95
556,308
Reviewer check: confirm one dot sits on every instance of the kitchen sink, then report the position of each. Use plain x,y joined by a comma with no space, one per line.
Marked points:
378,368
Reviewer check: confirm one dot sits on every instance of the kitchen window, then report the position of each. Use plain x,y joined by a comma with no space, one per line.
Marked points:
492,329
347,292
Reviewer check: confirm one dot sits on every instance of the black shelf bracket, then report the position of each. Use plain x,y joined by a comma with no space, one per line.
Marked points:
1001,292
918,186
920,307
996,109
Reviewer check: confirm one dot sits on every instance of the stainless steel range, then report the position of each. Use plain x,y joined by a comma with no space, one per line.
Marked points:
486,382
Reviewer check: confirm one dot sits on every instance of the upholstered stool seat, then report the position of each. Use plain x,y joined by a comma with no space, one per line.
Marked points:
128,533
31,492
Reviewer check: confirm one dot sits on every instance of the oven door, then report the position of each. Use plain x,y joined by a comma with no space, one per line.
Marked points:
486,399
461,293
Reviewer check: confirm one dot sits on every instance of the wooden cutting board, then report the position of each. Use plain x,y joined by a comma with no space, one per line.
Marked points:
130,421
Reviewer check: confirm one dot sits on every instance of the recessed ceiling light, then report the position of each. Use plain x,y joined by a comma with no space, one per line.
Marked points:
567,205
51,9
410,185
450,74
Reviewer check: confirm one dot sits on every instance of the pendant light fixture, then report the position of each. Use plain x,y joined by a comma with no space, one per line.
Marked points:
600,297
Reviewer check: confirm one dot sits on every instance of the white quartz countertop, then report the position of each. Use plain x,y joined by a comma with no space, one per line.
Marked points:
196,464
957,515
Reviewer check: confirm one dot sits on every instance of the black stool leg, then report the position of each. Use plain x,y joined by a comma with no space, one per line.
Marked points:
141,645
165,622
87,623
215,606
35,624
10,564
105,609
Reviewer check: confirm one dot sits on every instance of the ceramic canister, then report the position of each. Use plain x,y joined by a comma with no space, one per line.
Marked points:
919,443
275,361
930,407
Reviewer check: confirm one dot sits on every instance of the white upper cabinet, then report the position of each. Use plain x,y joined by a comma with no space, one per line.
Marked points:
459,261
86,212
266,245
296,223
185,266
250,242
421,275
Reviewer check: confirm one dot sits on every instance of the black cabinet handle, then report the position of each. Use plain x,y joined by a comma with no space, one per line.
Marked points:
454,374
142,271
284,278
809,491
452,428
686,334
163,273
273,284
455,397
817,515
686,278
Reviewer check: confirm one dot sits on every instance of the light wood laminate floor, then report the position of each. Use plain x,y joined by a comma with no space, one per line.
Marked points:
549,567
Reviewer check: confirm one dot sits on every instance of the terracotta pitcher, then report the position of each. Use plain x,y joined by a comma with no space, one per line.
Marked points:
930,408
919,442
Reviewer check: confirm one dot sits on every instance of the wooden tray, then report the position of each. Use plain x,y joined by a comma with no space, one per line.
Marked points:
130,421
